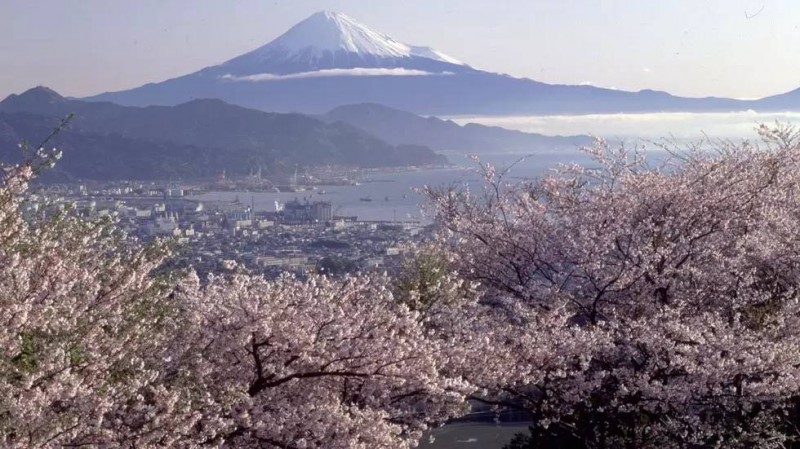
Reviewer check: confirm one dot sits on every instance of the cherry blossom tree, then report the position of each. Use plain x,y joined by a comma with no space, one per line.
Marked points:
83,328
634,306
316,363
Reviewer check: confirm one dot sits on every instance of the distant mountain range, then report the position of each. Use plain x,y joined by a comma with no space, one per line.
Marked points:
200,138
196,139
330,60
400,127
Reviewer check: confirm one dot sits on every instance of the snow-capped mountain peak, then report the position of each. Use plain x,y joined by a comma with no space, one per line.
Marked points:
334,31
327,37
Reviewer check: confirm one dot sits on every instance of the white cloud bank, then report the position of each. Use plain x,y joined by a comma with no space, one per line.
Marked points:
685,125
258,77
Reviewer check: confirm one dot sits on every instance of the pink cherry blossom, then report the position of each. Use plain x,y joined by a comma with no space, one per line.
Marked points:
314,363
639,306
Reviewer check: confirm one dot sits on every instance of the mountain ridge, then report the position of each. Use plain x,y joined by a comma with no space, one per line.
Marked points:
226,136
402,127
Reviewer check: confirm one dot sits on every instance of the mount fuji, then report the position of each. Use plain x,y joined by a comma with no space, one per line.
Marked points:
329,60
334,44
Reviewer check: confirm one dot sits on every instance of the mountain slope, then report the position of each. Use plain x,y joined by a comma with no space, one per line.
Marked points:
330,60
400,127
229,137
111,157
787,101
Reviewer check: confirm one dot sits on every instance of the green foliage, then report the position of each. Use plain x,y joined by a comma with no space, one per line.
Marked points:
336,266
418,285
27,359
521,441
538,438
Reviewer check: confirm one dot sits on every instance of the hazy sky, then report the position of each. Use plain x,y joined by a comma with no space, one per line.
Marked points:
735,48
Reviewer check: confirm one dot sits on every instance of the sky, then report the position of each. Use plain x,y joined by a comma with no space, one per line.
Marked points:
728,48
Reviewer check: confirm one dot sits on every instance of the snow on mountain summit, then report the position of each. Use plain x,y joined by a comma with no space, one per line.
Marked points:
334,31
428,52
330,39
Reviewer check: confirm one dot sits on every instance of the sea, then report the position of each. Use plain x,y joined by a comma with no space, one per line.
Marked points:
398,196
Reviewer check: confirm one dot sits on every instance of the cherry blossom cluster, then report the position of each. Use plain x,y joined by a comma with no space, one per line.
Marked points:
631,305
83,328
315,363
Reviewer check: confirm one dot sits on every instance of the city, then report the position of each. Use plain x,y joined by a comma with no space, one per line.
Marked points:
300,236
